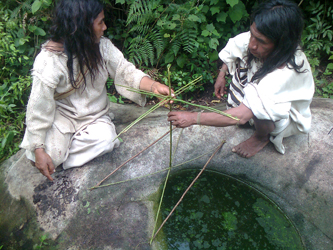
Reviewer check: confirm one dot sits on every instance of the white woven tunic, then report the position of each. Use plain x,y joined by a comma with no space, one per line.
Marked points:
282,96
85,105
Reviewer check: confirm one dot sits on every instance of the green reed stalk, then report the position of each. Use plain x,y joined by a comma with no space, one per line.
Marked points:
181,198
157,172
168,98
138,119
170,161
97,185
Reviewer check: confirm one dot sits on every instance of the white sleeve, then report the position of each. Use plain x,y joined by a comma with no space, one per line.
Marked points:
235,48
39,116
122,71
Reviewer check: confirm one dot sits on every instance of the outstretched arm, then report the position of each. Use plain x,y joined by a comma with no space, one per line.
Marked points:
148,84
186,119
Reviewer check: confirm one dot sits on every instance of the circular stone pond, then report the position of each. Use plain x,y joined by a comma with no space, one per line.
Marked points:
221,212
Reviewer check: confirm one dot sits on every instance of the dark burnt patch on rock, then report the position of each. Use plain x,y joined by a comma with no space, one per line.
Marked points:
55,196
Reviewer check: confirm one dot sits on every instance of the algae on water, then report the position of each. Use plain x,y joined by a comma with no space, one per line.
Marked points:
220,212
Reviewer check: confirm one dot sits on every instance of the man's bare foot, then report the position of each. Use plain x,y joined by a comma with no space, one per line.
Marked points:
251,146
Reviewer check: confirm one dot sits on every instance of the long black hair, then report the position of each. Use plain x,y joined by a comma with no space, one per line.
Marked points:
282,22
73,27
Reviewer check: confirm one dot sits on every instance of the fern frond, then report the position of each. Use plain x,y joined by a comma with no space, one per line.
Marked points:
140,29
142,12
176,45
156,37
188,40
146,48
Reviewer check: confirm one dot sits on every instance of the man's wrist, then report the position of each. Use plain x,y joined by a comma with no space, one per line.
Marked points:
224,70
39,150
222,74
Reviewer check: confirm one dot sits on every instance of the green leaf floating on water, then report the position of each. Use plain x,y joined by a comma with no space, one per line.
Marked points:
269,218
205,199
230,221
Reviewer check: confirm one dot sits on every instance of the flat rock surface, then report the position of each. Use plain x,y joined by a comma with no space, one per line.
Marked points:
121,216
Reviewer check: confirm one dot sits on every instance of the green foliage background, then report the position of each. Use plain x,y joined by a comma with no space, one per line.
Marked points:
186,34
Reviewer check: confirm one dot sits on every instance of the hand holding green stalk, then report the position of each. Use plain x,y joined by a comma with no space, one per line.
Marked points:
171,98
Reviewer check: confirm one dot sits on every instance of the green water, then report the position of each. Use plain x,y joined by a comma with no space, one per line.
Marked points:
220,213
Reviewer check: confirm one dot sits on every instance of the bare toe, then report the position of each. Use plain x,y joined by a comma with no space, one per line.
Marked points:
251,146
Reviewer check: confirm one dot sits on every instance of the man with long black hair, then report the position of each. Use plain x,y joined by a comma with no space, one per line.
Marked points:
68,114
272,85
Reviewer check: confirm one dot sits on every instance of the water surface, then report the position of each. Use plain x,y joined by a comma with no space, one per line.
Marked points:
220,212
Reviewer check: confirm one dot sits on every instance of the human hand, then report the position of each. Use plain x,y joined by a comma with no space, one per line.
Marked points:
162,89
44,163
220,88
182,119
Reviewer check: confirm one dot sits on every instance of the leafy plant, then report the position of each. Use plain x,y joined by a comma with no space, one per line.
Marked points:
186,34
22,25
42,243
318,44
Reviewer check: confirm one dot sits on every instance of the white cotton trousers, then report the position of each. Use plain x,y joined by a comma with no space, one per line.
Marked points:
74,150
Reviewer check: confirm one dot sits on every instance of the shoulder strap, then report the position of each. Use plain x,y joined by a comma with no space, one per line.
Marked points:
79,81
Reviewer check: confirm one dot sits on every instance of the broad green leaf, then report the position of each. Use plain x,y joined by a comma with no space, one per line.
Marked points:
214,10
8,139
214,2
166,35
160,22
20,33
120,1
39,32
205,33
194,18
330,66
213,43
232,3
47,2
32,28
21,41
237,12
222,17
205,199
181,61
213,56
216,33
3,143
12,47
36,6
210,27
171,26
329,34
176,17
112,98
169,58
205,9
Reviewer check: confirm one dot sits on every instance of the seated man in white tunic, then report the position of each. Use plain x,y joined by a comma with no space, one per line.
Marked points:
68,117
272,83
